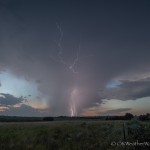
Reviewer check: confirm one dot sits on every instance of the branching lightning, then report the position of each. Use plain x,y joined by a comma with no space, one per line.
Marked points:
70,66
60,59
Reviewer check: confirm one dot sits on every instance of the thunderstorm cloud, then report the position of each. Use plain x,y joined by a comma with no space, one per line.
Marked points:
64,46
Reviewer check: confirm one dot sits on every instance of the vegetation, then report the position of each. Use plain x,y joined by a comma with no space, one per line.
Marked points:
19,119
144,117
127,116
71,135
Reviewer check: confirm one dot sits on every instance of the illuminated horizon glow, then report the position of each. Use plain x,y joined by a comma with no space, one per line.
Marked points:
137,107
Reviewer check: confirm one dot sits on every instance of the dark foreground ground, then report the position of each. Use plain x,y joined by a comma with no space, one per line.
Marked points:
75,135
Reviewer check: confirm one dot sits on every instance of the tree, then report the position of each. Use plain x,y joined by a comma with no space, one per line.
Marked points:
128,116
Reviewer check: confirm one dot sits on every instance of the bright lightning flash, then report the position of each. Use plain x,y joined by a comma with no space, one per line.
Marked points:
73,102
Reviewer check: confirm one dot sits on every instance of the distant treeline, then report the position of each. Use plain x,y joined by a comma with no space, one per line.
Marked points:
144,117
127,116
19,119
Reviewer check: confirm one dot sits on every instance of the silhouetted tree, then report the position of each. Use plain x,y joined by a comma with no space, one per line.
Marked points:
48,119
128,116
144,117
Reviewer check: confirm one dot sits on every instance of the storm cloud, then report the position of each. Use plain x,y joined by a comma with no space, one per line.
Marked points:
113,39
128,90
23,110
8,99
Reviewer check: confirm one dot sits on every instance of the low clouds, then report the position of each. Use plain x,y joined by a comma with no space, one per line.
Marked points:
8,99
23,110
16,106
128,90
117,111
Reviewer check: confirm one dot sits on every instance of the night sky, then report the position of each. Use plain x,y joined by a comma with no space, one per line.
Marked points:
74,57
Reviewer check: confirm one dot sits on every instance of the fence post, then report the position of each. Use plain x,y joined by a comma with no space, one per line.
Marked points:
124,135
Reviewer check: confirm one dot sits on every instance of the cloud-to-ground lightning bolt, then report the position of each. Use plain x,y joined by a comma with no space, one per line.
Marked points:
70,66
73,104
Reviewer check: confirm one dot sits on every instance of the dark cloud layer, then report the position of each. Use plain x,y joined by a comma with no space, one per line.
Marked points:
128,90
23,110
113,36
8,99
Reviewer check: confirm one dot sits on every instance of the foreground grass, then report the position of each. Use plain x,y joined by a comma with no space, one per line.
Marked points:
75,135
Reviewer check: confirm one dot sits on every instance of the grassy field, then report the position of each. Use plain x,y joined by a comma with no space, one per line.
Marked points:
72,135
